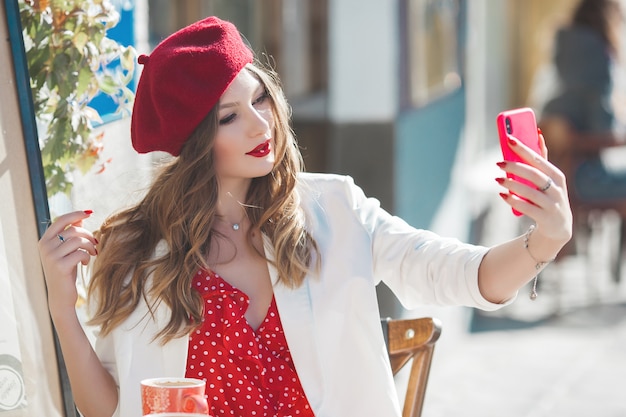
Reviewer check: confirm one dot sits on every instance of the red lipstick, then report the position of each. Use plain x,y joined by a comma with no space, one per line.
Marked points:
261,150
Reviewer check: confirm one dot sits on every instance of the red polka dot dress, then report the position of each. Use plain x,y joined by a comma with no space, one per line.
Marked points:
247,372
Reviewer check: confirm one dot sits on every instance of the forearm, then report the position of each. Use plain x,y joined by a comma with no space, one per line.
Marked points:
63,247
93,388
595,142
509,266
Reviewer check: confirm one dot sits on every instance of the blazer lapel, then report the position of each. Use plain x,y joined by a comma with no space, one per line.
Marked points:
297,317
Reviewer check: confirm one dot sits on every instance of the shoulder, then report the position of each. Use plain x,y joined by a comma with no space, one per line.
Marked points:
319,188
337,200
322,180
574,40
318,183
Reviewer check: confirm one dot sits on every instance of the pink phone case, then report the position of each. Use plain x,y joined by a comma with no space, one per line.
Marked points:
521,124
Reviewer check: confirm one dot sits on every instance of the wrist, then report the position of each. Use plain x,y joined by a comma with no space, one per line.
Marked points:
540,248
62,314
541,261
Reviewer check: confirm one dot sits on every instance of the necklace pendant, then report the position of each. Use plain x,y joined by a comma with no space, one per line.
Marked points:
235,226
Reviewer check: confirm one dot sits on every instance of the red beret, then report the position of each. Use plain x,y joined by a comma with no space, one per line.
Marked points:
182,80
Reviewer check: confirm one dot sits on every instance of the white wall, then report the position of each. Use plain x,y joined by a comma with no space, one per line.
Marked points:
488,69
295,76
121,184
488,64
363,60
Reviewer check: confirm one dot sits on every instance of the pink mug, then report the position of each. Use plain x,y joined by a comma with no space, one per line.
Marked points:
172,395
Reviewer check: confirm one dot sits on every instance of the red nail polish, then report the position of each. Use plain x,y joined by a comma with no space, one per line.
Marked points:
87,211
539,131
504,196
96,240
512,141
501,164
500,181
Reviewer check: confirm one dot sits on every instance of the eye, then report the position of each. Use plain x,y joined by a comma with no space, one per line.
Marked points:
261,99
226,120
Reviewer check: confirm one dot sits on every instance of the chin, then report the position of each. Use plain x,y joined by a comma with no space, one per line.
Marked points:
264,173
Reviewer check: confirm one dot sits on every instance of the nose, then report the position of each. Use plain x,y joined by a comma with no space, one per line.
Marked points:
259,121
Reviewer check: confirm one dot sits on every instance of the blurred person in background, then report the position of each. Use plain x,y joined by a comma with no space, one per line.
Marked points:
579,121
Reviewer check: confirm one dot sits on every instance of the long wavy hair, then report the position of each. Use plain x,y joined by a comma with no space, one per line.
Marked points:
602,16
179,210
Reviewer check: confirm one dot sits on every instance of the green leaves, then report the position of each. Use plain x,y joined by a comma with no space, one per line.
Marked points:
70,61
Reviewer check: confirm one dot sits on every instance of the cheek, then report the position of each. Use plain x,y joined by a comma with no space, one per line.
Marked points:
218,151
222,152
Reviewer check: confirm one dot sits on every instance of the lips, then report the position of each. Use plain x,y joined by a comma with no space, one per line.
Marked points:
261,150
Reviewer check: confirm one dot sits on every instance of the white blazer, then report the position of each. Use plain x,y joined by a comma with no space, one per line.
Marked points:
332,322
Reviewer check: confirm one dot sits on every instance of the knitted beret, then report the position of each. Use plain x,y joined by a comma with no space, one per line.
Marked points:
182,80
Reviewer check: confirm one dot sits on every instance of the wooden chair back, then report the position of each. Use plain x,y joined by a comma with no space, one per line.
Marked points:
412,339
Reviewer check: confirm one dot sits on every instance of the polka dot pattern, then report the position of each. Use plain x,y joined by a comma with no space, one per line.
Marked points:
247,372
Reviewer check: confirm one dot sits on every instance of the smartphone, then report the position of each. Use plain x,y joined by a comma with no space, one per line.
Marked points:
521,124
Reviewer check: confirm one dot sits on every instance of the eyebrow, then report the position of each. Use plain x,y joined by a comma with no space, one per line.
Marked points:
259,89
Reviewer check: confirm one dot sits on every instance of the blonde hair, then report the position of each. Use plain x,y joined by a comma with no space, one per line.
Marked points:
180,210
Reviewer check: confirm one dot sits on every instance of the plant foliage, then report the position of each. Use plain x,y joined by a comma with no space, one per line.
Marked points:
70,61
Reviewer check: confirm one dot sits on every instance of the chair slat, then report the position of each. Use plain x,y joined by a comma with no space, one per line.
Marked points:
412,339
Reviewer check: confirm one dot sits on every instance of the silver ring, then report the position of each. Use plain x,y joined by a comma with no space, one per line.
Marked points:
61,238
547,186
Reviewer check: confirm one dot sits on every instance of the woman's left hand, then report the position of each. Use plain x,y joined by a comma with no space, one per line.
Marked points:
546,200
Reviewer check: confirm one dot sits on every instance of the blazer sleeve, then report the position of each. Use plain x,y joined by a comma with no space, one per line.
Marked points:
419,266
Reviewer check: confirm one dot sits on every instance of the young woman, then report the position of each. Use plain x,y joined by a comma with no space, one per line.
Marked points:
242,270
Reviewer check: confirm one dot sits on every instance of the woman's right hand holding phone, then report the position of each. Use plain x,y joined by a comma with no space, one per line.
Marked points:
542,196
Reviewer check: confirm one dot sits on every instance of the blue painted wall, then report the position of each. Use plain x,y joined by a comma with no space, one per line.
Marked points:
124,34
426,144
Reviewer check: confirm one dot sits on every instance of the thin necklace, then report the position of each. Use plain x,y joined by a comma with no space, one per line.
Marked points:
235,226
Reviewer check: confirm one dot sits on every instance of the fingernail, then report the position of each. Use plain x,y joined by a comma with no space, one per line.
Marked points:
504,196
96,240
500,181
512,141
501,164
88,212
539,131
